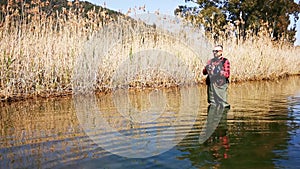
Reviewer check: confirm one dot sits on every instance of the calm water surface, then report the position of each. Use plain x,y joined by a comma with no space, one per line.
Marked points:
261,130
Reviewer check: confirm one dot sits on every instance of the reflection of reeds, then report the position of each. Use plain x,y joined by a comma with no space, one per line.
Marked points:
260,104
28,123
49,132
38,52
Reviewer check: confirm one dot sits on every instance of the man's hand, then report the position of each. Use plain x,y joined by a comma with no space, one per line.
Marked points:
208,68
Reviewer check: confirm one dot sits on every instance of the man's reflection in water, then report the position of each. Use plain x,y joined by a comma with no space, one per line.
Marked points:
215,133
219,141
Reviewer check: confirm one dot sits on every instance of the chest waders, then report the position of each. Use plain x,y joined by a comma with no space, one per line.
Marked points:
217,84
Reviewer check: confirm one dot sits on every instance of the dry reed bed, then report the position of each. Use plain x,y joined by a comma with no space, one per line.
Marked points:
39,58
261,59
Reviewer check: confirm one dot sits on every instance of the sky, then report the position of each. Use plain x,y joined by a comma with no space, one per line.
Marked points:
163,6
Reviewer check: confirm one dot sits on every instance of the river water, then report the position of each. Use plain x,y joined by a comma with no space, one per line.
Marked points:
170,128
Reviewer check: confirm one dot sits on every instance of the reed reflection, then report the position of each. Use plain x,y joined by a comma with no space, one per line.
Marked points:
262,127
40,134
136,127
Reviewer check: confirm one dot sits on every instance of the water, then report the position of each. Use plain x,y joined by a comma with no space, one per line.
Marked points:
262,130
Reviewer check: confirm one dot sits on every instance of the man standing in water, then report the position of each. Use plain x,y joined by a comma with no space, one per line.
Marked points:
218,71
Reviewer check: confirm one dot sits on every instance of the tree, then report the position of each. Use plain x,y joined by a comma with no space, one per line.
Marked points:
248,16
210,14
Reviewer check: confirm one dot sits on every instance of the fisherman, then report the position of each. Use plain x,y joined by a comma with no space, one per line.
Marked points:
218,71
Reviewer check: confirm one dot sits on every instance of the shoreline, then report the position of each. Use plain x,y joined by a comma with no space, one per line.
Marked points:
63,94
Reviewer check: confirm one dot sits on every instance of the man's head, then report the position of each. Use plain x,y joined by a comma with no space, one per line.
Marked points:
218,51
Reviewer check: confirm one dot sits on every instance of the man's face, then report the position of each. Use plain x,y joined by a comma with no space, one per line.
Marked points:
217,52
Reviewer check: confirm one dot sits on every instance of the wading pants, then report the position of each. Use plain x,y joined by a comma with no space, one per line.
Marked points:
217,95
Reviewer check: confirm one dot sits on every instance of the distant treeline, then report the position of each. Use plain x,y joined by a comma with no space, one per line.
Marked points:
245,18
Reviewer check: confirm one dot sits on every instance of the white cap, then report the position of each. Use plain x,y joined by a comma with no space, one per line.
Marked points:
218,48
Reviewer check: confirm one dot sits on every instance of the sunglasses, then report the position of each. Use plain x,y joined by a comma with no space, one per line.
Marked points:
215,51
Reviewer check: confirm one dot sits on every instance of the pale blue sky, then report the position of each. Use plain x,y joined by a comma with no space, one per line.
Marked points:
164,7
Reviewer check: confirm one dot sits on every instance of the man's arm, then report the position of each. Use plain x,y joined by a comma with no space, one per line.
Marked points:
226,72
205,71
